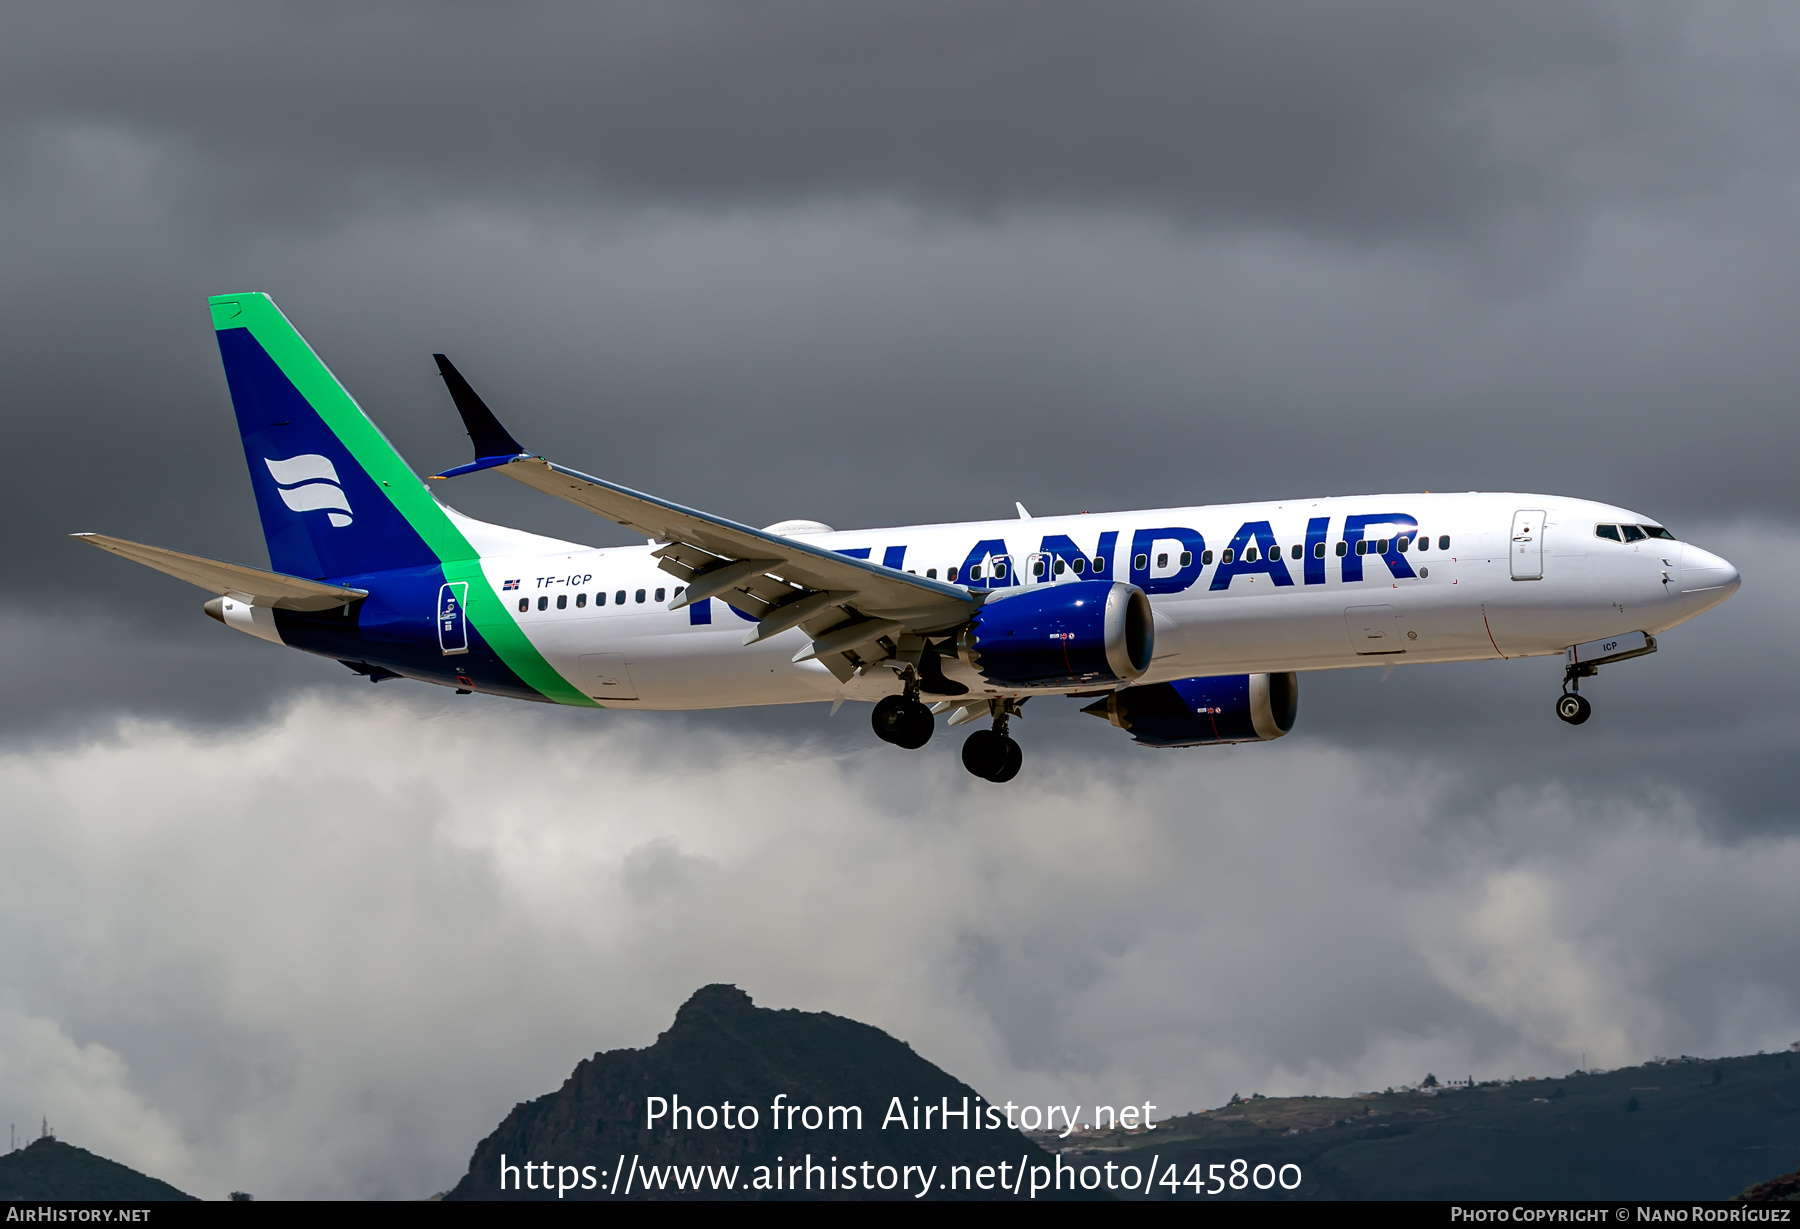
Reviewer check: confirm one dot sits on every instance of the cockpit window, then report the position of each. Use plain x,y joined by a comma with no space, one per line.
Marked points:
1633,533
1609,532
1657,531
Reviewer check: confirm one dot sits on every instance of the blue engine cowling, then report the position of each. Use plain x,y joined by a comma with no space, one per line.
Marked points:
1073,634
1226,708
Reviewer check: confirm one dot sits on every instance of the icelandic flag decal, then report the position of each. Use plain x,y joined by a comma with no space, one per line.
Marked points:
509,585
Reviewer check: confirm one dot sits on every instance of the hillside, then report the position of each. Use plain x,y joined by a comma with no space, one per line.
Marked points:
1679,1129
52,1170
723,1048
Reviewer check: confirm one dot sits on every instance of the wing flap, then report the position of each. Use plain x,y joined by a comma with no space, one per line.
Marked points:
252,585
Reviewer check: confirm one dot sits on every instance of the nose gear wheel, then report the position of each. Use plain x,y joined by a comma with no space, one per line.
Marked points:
1573,708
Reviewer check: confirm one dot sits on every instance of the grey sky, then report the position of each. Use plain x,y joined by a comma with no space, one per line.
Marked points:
883,264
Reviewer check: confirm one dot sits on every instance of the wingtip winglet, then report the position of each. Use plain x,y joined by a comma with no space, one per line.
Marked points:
485,432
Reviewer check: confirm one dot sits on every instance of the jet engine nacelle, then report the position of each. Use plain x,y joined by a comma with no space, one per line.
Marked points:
1071,634
1226,708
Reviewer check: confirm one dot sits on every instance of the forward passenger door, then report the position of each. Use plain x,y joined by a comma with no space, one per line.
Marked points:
1527,552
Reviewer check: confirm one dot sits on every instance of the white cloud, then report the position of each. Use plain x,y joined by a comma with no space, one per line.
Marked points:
323,956
90,1088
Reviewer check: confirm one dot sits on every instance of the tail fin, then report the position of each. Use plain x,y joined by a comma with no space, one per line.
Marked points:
335,498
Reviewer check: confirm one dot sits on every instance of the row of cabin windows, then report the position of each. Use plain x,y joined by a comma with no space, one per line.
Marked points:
1079,565
1632,533
581,599
1378,546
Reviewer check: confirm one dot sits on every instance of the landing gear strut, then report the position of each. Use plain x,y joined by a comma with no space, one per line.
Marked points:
1571,705
991,754
903,720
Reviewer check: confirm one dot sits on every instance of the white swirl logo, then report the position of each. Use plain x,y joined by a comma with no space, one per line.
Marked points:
309,483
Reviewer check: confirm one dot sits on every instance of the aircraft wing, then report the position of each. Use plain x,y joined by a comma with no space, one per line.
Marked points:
848,606
251,585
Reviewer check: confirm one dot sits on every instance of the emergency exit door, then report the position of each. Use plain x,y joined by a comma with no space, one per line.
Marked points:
1528,545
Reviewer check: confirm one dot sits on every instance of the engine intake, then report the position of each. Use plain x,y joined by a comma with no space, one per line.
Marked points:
1073,634
1199,712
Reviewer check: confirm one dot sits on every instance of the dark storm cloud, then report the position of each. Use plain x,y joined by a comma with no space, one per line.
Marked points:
1398,119
922,260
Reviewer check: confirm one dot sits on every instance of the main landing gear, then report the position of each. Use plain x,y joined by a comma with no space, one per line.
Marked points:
903,720
991,754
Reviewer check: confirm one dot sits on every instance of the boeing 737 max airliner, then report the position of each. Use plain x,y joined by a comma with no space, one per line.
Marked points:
1183,626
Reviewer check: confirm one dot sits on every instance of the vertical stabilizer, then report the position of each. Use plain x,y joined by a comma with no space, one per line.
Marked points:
335,498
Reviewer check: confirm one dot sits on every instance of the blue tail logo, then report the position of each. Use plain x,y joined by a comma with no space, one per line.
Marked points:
309,483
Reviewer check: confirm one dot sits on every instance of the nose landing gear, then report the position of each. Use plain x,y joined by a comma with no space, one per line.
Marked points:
1583,661
1573,708
1571,705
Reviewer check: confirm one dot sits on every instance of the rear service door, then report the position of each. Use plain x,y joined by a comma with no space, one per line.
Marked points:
453,627
1528,545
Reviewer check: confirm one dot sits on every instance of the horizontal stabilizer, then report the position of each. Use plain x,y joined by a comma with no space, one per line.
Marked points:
251,585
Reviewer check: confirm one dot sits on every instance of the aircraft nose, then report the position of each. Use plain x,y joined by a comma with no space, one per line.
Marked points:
1706,579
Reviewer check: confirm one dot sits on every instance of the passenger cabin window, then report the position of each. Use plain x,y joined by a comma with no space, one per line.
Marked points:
1228,556
930,573
1404,544
640,595
1037,567
1249,554
1343,548
1206,558
1187,557
659,595
1609,532
680,589
975,572
1424,542
600,598
619,598
950,575
1297,550
1080,565
524,603
580,600
1657,531
1061,567
562,601
1633,533
1140,562
1099,563
1443,541
1318,550
1362,547
543,603
999,570
1162,560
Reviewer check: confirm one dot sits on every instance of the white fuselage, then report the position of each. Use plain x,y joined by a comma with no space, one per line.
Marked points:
1492,593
